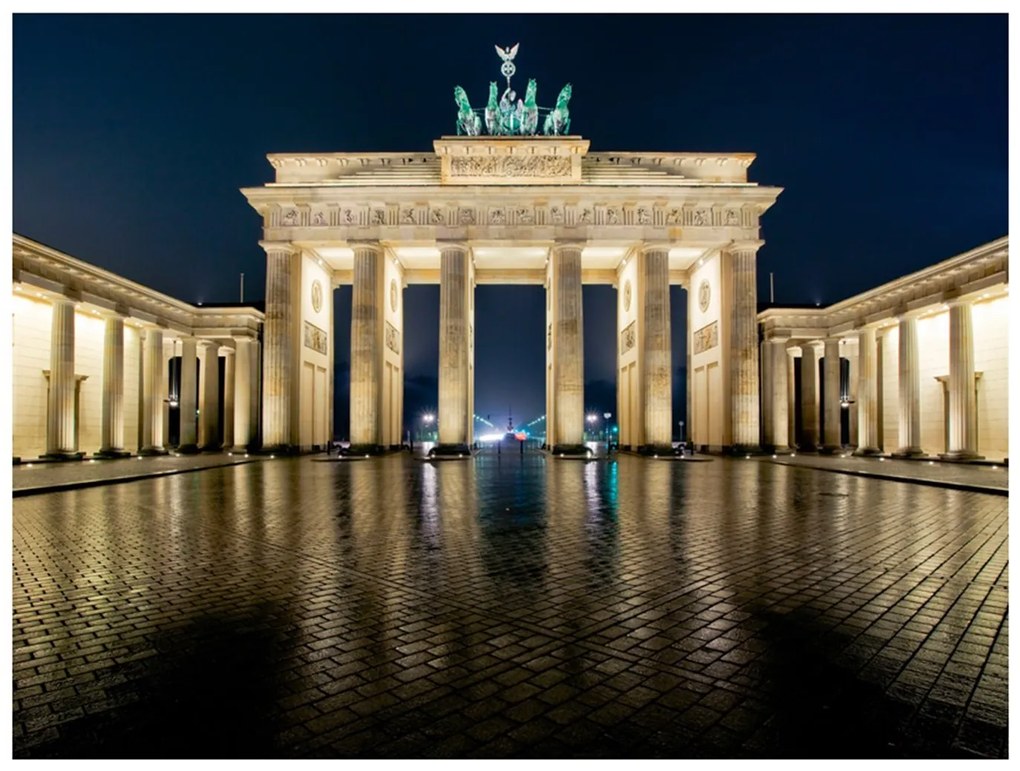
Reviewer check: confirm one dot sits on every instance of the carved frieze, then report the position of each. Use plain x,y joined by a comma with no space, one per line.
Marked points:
392,338
628,337
315,338
510,166
706,338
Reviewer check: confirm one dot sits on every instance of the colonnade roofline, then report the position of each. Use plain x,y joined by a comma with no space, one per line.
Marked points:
46,273
976,274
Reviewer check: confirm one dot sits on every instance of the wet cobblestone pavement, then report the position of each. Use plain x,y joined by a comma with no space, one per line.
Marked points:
512,606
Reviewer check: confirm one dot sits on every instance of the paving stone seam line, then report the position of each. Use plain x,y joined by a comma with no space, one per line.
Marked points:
60,487
910,480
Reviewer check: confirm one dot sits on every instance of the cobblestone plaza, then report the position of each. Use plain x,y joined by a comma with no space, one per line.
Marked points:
510,606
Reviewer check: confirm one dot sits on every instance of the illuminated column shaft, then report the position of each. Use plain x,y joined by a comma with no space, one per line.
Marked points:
831,441
962,399
744,346
792,353
867,392
366,346
809,394
153,388
910,389
779,394
279,341
568,362
656,352
209,401
242,395
228,400
454,411
60,433
188,397
112,428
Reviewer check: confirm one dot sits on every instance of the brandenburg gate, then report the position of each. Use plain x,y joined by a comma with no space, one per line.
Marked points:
511,207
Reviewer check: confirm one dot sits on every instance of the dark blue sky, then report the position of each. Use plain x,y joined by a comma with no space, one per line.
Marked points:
132,135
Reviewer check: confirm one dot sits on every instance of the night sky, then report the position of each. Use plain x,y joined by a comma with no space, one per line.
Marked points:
132,135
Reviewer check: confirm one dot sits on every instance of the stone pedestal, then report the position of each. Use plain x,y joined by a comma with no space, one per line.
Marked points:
962,397
153,394
61,433
831,442
279,336
188,398
910,391
867,393
454,350
656,351
112,427
809,405
567,350
744,347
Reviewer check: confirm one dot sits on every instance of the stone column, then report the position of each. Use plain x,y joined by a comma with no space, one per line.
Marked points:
112,441
242,395
849,347
209,397
831,441
279,336
188,398
61,441
767,383
779,397
454,412
867,393
810,353
910,391
228,399
656,350
154,388
744,345
367,348
255,376
962,401
568,349
792,352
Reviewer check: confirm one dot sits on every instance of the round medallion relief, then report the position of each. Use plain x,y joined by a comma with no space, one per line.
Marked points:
626,295
316,296
704,295
393,294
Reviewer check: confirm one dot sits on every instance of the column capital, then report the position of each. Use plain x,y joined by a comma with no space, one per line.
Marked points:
745,245
654,246
452,243
279,246
959,302
793,350
365,245
814,345
567,243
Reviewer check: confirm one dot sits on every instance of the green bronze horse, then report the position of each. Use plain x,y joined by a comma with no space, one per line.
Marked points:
467,121
557,122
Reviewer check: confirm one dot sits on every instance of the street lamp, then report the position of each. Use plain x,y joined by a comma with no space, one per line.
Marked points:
591,417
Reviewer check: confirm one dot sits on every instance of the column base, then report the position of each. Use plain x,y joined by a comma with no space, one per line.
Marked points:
188,449
572,451
450,451
830,449
867,451
743,449
654,450
150,451
62,456
238,450
783,449
363,449
908,452
211,447
277,449
107,454
960,455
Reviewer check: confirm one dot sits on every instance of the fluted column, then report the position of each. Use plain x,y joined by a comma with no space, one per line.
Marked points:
656,350
454,308
910,390
187,436
867,393
112,428
810,354
228,399
568,347
279,337
242,395
831,442
60,428
962,400
767,382
366,347
209,397
778,395
744,345
792,353
153,388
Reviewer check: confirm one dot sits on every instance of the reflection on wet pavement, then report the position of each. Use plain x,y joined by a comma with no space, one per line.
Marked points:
510,606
